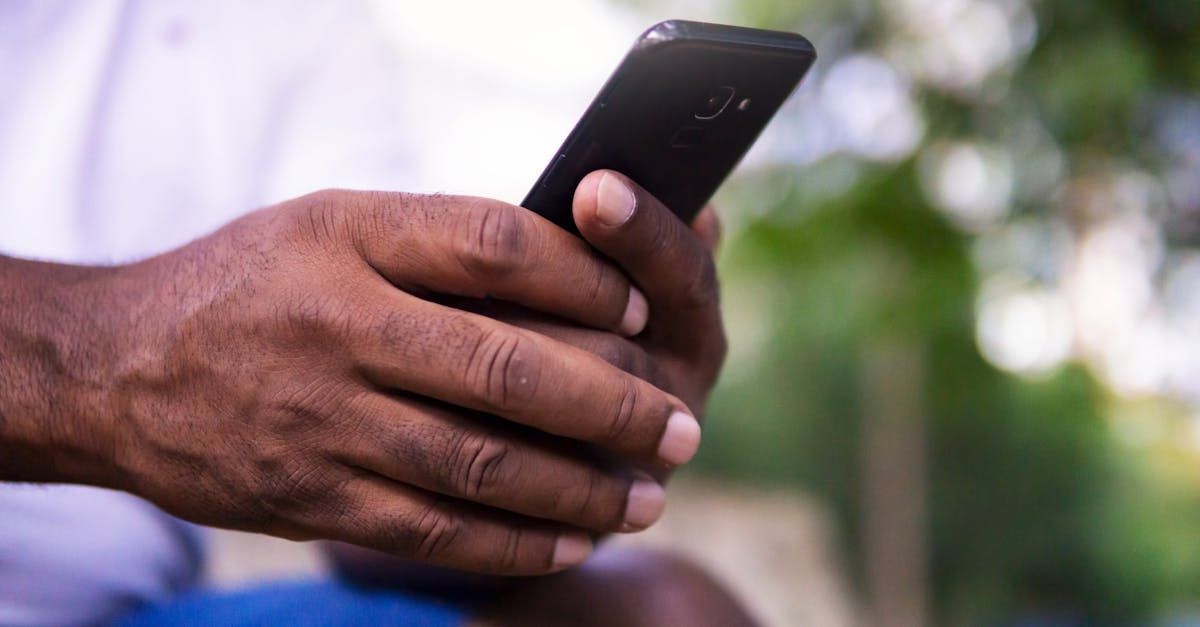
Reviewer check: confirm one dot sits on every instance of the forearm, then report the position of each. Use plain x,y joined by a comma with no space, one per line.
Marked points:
52,350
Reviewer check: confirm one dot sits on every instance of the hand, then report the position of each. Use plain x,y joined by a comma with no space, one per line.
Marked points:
285,376
680,351
683,345
673,266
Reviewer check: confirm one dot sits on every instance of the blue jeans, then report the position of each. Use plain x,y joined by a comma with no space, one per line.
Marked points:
297,603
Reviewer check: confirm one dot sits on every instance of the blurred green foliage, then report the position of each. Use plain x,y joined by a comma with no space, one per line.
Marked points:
1036,507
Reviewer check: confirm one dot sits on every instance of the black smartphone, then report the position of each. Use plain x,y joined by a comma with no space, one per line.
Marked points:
677,115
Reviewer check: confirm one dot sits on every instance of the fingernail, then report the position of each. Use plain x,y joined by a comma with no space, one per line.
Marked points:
571,549
636,313
680,440
614,201
645,505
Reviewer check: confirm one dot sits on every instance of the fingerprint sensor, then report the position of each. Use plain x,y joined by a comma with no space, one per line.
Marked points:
687,137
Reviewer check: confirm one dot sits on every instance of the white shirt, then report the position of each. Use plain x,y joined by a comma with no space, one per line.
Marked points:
128,128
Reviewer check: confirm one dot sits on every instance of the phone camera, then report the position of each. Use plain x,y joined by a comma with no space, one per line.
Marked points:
714,102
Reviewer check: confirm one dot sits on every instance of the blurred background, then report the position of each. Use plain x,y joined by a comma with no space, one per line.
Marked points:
962,287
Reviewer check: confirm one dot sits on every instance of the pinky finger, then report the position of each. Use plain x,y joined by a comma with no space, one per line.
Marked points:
441,531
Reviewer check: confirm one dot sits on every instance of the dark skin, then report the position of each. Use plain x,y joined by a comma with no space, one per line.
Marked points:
618,586
294,374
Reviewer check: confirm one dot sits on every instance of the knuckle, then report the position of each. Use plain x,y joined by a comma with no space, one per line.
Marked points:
583,503
344,510
319,214
503,370
434,533
315,315
295,488
629,358
509,557
492,241
622,420
661,235
304,408
701,289
479,464
379,209
619,352
605,291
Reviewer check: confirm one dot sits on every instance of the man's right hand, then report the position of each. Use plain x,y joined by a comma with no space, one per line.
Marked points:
285,375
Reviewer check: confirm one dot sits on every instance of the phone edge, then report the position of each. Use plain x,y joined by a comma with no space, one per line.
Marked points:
673,31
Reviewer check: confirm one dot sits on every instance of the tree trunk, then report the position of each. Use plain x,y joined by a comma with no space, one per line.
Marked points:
894,484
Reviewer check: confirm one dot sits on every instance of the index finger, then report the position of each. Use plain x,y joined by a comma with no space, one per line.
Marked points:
478,247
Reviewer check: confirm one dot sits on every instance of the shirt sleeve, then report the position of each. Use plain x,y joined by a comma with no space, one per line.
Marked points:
339,119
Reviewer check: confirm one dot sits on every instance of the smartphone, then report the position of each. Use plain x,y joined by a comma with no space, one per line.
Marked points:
677,115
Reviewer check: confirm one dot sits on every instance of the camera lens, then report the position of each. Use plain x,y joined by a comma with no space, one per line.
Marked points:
714,103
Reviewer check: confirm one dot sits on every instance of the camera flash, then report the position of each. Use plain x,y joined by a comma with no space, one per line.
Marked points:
744,104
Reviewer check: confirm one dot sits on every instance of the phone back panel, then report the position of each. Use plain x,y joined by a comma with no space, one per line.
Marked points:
678,114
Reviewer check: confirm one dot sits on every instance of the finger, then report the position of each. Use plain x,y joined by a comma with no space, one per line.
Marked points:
468,457
440,531
478,247
663,256
616,350
472,361
707,226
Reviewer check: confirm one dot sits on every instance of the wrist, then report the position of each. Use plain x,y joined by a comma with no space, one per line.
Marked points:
56,351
